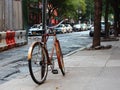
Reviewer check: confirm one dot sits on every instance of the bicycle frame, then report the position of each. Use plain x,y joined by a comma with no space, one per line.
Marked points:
45,38
42,56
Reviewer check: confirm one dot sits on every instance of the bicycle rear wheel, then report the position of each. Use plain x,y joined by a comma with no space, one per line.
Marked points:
59,57
37,61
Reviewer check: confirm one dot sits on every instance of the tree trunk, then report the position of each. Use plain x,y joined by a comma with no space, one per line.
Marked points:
97,22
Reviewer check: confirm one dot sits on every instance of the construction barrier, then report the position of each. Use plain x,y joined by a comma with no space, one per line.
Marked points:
3,45
20,38
24,38
11,39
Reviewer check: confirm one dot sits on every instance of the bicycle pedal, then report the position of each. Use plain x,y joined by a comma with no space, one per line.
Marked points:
55,71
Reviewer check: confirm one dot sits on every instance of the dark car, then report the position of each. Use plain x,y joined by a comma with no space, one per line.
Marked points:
102,32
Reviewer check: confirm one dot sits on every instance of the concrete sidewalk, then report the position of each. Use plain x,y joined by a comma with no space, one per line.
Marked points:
85,70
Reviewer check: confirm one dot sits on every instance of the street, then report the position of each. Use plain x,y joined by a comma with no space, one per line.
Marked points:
14,61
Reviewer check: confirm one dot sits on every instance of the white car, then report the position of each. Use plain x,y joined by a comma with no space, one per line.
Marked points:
61,29
36,29
77,27
89,26
68,28
83,27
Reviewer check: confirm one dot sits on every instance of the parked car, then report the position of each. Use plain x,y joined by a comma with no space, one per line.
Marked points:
89,26
36,29
61,29
69,28
83,27
102,32
77,27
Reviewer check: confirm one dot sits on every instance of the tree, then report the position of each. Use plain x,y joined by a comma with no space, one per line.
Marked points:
66,8
89,15
97,23
73,6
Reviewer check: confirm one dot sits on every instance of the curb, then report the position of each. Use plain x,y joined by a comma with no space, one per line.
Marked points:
80,49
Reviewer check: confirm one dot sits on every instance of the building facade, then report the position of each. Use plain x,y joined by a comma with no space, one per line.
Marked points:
11,15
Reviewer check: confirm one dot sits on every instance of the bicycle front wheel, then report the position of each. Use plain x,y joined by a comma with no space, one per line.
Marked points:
59,57
37,61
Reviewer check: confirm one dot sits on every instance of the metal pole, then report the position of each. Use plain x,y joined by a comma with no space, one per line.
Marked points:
44,3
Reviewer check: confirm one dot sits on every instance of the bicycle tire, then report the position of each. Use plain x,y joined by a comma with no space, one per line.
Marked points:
37,62
59,57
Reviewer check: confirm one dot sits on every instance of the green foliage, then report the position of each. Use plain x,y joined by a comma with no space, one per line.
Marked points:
89,9
34,0
79,4
67,8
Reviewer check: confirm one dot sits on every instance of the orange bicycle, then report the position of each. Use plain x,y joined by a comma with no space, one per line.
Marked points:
39,59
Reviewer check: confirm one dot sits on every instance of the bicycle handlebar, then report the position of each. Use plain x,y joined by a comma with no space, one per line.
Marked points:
58,24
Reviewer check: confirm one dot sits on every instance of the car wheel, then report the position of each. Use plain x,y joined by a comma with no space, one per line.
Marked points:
112,32
91,34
